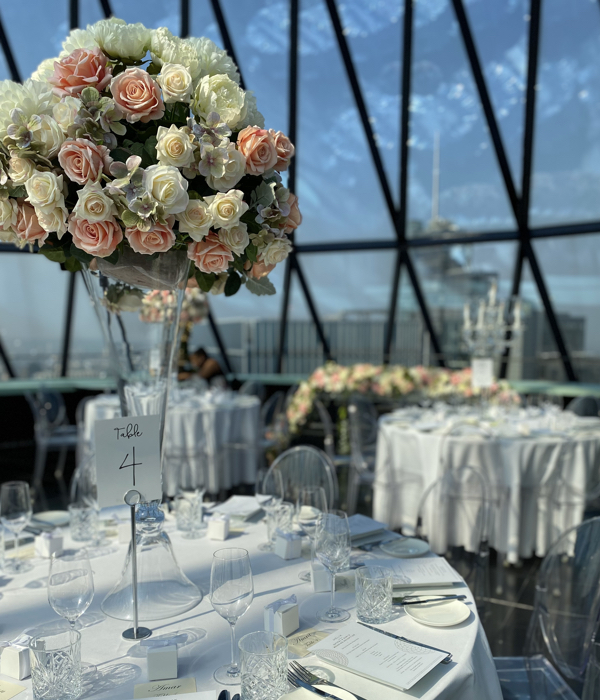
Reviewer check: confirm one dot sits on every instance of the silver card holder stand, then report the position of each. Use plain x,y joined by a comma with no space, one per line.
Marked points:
132,498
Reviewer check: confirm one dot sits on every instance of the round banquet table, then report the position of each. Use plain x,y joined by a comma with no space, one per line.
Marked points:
470,676
539,466
220,429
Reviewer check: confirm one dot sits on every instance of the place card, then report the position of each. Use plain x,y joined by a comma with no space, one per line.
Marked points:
128,457
9,690
166,689
301,643
204,695
384,659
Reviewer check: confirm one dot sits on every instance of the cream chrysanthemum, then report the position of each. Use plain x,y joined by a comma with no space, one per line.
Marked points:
218,93
167,48
78,39
32,97
121,40
212,60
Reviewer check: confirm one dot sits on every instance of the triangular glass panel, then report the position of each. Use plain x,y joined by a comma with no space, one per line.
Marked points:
539,357
455,184
49,31
411,344
570,267
451,276
500,32
566,163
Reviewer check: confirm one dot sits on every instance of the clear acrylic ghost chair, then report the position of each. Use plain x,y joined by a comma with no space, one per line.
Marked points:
454,519
362,418
591,686
253,388
305,466
564,622
329,435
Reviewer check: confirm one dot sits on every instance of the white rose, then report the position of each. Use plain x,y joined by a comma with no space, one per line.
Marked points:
235,238
93,204
227,207
235,169
166,48
45,191
65,111
212,60
195,220
50,135
53,220
168,187
121,40
276,251
20,169
219,284
176,83
174,147
8,213
218,93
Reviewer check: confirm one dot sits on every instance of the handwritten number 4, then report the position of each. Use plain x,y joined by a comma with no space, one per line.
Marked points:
133,464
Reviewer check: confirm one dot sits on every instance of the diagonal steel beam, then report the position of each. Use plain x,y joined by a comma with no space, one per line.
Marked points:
226,37
217,336
285,306
106,8
185,19
312,308
73,14
8,55
66,346
7,363
391,320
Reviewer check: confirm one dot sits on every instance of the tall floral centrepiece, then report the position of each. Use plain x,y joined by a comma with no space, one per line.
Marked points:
130,156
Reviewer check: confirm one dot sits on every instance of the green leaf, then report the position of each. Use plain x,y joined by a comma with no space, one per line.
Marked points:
89,94
18,191
72,265
113,258
252,252
205,281
150,147
52,254
234,282
137,149
153,69
120,154
263,194
129,218
80,255
260,287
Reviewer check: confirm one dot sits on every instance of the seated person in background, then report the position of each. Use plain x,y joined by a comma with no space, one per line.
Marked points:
202,366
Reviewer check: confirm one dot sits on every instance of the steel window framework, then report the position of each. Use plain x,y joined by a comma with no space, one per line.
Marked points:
523,235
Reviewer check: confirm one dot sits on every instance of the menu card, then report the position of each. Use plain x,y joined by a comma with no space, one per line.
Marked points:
362,527
430,571
374,655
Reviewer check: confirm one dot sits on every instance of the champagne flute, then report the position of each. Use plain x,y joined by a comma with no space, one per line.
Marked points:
70,584
15,514
332,547
312,501
231,592
269,494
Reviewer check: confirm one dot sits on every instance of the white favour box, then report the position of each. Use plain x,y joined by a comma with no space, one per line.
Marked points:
48,543
288,545
283,620
320,578
14,662
218,527
162,663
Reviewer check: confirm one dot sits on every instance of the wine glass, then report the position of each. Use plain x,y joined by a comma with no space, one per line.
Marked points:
269,494
15,514
332,547
231,592
70,584
312,501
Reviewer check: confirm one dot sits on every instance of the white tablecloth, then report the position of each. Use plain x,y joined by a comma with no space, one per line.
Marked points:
470,676
221,427
538,469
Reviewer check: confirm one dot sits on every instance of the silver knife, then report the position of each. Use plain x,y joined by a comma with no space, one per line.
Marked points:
440,599
447,660
318,691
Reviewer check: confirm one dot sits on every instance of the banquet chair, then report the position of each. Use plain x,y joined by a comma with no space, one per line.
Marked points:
52,433
560,644
584,406
329,436
591,686
253,388
362,418
453,517
305,466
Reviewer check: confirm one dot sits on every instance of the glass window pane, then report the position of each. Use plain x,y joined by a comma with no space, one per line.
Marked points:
450,276
88,356
152,13
90,12
566,149
31,325
410,343
449,135
570,267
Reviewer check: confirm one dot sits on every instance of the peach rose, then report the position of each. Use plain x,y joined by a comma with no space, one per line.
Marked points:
258,148
158,239
137,95
210,255
28,227
99,238
83,160
260,269
80,69
285,150
295,217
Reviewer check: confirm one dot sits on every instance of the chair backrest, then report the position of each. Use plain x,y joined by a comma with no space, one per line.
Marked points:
567,601
271,408
305,466
328,433
591,687
48,408
253,388
362,418
584,406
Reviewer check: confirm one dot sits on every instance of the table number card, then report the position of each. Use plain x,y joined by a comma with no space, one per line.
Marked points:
127,457
482,376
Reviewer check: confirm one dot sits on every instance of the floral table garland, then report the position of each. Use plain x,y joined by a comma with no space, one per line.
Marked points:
388,381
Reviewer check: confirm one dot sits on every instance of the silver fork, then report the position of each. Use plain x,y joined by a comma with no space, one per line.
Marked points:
312,679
